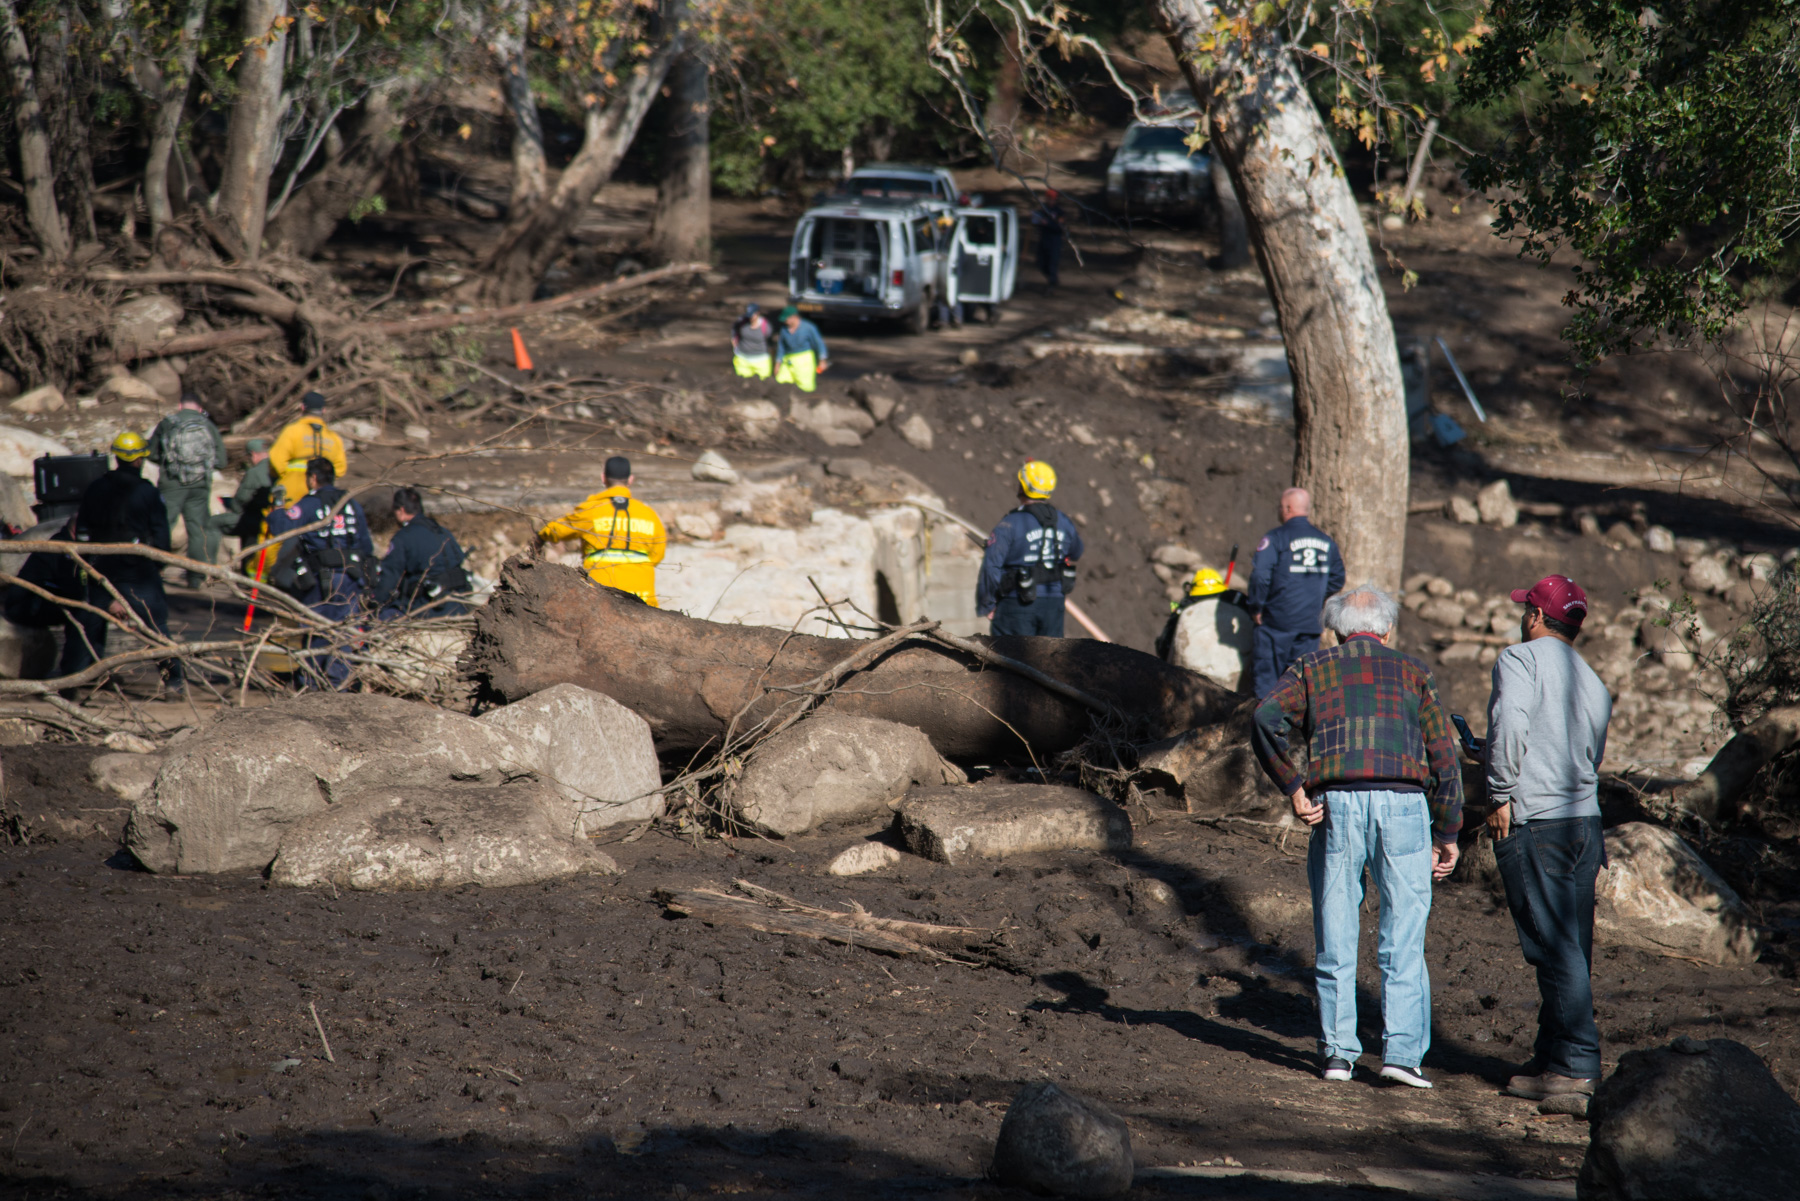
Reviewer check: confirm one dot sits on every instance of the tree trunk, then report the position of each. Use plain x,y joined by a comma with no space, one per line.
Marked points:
533,238
682,229
66,87
550,625
1234,235
37,171
1349,402
530,178
313,211
250,149
1009,100
171,101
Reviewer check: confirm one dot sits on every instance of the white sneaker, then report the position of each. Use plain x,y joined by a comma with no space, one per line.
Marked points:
1408,1076
1337,1069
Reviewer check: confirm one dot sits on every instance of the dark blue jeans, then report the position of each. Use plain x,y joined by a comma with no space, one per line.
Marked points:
1549,869
1042,617
1272,651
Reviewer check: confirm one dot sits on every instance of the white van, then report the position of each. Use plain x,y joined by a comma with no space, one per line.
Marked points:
863,256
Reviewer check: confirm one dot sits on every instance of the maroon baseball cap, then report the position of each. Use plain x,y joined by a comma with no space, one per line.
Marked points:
1557,596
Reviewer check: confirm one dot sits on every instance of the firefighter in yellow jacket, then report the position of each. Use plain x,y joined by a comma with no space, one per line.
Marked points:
300,443
623,538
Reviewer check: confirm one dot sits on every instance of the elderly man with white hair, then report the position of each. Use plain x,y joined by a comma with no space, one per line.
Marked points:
1382,789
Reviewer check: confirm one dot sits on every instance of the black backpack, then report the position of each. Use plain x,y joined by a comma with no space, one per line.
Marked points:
1027,577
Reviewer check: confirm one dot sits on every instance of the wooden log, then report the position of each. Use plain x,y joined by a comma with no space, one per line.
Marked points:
547,624
773,913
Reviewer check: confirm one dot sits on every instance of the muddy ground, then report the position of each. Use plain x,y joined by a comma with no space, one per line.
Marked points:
156,1038
155,1032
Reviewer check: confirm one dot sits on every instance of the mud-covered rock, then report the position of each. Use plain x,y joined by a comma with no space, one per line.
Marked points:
397,839
831,768
995,820
1211,768
226,795
597,753
145,321
863,858
1496,505
1693,1121
1658,894
1057,1143
1707,574
126,776
917,432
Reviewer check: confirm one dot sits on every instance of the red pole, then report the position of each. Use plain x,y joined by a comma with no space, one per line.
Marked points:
1228,569
250,612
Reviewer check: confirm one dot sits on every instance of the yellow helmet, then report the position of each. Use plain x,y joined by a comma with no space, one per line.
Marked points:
1037,479
1207,582
130,446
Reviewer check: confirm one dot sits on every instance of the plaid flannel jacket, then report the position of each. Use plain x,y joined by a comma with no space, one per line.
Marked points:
1370,715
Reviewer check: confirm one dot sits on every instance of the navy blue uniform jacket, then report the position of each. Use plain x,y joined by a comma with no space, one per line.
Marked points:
1296,567
421,549
349,531
1018,540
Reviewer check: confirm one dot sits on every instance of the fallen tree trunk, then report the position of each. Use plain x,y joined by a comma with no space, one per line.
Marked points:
260,298
548,624
1714,797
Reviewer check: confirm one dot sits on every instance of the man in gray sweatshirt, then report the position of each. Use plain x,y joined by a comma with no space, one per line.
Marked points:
1546,738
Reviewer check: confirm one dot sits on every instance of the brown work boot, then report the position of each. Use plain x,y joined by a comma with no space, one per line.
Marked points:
1549,1084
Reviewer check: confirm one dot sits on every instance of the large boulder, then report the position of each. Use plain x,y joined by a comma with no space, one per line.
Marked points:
145,321
20,448
1658,894
597,753
1211,768
832,768
395,839
995,820
1054,1142
1212,637
1693,1121
229,792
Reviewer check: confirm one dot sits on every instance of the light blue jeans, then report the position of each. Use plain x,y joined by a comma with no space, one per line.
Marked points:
1390,832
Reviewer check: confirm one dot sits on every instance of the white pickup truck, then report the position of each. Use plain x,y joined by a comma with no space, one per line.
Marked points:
895,242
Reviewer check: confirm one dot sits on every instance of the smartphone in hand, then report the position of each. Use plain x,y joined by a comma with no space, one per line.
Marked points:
1471,745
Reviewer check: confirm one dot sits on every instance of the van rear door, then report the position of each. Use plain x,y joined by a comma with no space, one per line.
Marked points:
799,255
978,272
1009,249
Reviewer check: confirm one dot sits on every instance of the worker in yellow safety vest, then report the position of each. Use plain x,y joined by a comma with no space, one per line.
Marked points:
300,443
800,354
623,538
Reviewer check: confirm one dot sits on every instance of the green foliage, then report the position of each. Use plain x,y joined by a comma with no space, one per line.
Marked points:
1760,662
808,78
368,206
1660,149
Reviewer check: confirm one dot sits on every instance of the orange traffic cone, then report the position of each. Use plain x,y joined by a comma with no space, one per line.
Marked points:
521,359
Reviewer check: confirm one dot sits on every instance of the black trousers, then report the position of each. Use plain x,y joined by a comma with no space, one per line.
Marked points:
85,636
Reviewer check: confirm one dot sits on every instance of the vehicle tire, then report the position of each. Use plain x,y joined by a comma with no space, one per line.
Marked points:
919,320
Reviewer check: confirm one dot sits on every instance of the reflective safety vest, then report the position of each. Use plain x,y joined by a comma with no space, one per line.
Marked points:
623,541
